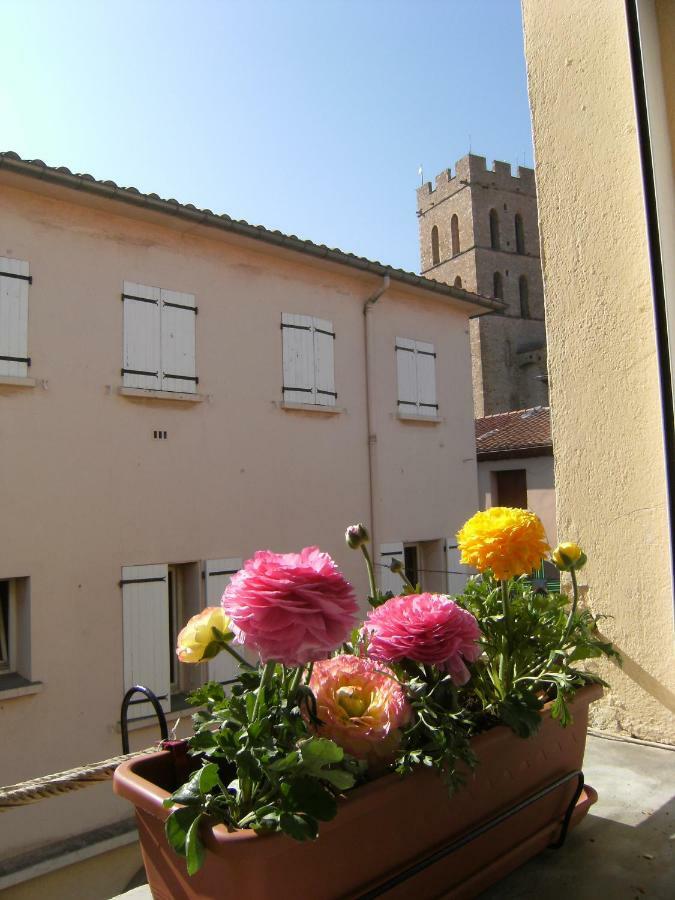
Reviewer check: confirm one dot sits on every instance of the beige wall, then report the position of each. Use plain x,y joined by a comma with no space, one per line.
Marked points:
605,402
540,487
86,490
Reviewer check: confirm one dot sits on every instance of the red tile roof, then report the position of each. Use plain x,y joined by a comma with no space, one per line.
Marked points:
521,432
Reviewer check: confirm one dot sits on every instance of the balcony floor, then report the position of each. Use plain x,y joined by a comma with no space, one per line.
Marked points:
623,849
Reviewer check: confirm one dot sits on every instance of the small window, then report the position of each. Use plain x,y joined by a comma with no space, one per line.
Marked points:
14,282
308,360
520,234
416,369
159,339
497,286
411,563
458,282
494,229
511,487
435,247
524,292
454,230
14,627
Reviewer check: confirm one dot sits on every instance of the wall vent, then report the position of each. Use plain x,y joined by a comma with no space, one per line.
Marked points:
159,435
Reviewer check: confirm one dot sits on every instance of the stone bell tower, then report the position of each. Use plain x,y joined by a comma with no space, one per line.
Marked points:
478,231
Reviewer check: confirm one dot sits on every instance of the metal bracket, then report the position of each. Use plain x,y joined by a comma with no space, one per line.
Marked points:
124,713
480,830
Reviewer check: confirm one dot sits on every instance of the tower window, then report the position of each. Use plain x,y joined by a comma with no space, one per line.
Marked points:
458,282
494,229
497,286
524,292
435,252
520,234
454,229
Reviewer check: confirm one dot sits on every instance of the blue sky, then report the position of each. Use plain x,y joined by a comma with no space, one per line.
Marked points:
311,116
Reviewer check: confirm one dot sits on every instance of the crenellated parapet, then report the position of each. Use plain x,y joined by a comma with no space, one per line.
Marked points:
471,169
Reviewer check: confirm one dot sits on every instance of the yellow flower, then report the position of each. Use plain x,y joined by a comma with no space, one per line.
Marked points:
509,541
197,642
568,556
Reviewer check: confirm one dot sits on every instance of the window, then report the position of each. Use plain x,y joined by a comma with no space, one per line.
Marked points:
308,360
435,249
416,369
454,230
14,281
458,282
497,286
524,292
411,563
520,234
159,339
14,628
494,229
511,488
157,601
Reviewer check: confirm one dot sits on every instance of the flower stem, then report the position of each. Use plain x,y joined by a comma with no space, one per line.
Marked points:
371,571
570,618
505,660
240,659
265,679
295,681
310,669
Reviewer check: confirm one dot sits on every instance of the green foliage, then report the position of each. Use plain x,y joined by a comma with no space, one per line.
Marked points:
258,764
531,642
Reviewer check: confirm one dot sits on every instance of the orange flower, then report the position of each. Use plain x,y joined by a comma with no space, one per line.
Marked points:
508,541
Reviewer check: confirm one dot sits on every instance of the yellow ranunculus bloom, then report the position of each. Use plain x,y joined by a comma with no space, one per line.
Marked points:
509,541
197,635
568,555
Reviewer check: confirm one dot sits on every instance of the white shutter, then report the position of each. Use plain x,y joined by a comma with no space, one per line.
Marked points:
217,574
458,574
406,369
426,379
298,353
178,315
145,606
386,579
14,281
324,364
141,367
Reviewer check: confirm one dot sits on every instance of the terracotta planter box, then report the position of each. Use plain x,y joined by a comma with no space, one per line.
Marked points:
382,828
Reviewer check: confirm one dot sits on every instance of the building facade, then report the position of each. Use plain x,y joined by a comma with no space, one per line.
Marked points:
179,390
602,92
478,231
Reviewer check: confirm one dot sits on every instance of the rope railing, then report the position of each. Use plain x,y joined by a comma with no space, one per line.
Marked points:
26,792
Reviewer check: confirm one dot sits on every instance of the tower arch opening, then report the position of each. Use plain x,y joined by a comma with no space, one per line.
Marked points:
494,229
454,231
435,246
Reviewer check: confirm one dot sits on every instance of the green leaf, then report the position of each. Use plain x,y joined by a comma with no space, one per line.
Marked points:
194,847
290,761
189,793
208,778
339,778
521,714
297,826
318,752
309,796
177,826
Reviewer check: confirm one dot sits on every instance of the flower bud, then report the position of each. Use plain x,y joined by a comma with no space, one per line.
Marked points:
356,536
203,636
396,566
568,556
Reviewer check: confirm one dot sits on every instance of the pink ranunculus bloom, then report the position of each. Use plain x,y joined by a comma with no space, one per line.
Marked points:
427,628
361,705
291,607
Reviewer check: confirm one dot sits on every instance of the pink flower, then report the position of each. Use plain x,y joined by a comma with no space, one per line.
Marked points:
428,628
361,705
290,607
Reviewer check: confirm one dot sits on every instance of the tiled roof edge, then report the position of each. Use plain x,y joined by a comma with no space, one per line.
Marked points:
36,168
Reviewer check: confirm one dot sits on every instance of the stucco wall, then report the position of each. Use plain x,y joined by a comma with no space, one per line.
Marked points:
540,487
86,489
605,403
